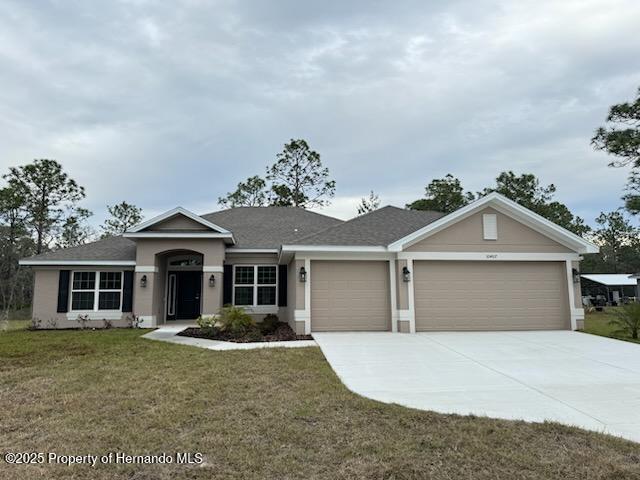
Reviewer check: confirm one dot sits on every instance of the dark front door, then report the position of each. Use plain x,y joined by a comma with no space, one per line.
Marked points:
183,295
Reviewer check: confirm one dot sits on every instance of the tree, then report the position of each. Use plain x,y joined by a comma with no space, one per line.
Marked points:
14,243
613,235
123,216
369,204
46,190
75,230
626,320
251,193
622,140
526,190
443,195
298,177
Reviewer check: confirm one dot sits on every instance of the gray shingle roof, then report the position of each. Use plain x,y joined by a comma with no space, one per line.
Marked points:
378,228
111,248
269,227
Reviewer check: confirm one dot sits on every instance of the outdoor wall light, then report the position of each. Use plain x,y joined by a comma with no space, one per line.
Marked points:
303,274
212,280
406,274
143,281
576,275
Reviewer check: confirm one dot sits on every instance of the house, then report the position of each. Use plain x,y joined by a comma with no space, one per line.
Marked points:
491,265
614,287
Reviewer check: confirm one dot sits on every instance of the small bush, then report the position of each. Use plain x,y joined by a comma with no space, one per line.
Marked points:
133,321
269,324
35,324
253,335
83,320
627,320
107,324
207,324
234,321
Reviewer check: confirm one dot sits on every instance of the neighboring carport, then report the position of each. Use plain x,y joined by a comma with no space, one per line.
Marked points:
614,286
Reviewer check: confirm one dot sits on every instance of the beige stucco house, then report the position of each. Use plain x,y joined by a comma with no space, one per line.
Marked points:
492,265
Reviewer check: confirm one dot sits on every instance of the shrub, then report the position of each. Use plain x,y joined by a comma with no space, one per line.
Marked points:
207,324
627,320
133,321
253,335
107,324
269,324
82,321
35,324
234,321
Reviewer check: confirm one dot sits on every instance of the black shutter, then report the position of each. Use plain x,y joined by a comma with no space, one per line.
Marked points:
127,292
282,285
63,291
227,285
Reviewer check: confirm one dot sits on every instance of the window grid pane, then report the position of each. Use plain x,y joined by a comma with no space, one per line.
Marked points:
109,301
82,300
244,275
266,295
266,275
84,280
110,280
243,296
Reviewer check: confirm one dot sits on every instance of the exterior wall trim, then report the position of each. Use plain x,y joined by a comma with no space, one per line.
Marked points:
213,269
392,296
411,301
178,235
102,263
252,250
332,248
146,269
490,256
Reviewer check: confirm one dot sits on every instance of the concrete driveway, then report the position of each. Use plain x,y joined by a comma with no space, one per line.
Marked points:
568,377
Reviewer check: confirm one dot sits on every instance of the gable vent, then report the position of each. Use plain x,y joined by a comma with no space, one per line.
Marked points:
490,226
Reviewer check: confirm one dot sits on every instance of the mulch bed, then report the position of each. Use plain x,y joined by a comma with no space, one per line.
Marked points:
282,333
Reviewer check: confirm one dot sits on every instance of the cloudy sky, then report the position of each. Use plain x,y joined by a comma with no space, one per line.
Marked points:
172,103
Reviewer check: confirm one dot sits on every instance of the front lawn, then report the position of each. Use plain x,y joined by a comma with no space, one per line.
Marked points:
597,323
270,413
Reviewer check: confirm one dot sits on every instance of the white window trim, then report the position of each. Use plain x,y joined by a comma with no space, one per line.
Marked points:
255,286
96,292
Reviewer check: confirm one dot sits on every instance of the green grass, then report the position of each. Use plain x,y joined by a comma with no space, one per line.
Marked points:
597,323
269,413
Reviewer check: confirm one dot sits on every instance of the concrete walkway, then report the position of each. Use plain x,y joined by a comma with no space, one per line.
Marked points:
169,333
568,377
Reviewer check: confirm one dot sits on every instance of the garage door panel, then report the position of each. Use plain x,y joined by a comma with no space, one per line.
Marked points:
490,295
350,296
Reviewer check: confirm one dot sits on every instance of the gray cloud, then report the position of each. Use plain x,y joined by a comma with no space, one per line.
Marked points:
165,103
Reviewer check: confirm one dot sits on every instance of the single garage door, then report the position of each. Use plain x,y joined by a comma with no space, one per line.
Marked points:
350,296
491,296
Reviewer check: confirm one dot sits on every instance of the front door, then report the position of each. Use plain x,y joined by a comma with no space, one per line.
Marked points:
183,295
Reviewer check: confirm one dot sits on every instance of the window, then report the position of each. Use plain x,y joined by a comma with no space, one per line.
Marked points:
89,294
255,285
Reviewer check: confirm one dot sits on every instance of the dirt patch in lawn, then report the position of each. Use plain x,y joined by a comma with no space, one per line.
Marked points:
282,333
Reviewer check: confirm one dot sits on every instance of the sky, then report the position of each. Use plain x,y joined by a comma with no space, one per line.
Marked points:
173,103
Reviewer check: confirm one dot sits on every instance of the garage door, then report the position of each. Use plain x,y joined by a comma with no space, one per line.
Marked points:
491,296
350,296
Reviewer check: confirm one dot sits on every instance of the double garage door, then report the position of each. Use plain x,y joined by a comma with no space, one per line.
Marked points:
354,296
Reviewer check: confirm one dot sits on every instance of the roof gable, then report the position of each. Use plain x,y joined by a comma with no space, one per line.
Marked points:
508,207
178,216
